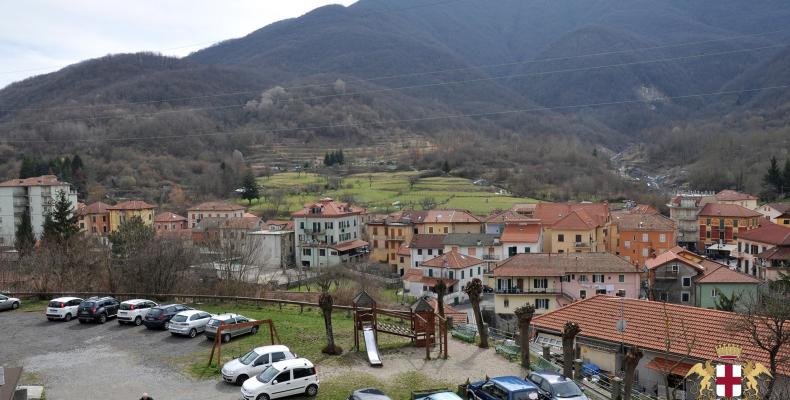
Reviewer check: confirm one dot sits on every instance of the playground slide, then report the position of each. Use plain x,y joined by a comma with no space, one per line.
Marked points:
370,346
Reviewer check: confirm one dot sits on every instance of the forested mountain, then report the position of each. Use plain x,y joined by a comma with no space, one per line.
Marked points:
519,91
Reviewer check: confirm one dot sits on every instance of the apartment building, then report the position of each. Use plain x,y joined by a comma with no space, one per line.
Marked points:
36,195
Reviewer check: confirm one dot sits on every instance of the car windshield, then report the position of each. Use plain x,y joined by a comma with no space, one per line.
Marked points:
87,304
267,374
179,318
526,395
566,389
155,311
248,358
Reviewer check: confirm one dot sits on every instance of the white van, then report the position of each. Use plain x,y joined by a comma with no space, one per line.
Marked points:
282,379
253,363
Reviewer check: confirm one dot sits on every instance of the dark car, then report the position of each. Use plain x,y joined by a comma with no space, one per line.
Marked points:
504,388
556,386
98,309
368,394
159,316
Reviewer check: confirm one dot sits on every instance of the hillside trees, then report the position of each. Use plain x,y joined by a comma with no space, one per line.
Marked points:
60,223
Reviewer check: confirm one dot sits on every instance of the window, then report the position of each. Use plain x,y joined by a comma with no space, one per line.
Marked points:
675,268
478,270
721,235
375,230
582,294
540,283
527,250
620,293
306,252
714,292
597,278
560,238
600,291
430,272
375,244
445,229
621,278
662,238
644,252
582,278
303,372
322,252
507,303
452,275
441,251
430,229
627,244
284,376
735,223
419,252
686,281
707,235
644,238
707,222
401,260
462,274
578,238
542,304
721,223
430,252
663,296
565,278
685,297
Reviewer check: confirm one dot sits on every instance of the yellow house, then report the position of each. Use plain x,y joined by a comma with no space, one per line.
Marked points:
388,234
122,212
783,219
575,228
450,221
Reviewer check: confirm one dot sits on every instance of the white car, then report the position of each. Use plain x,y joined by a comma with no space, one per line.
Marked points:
253,363
189,323
134,311
64,308
9,303
281,379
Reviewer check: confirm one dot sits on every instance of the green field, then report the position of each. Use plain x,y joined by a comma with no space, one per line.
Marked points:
385,192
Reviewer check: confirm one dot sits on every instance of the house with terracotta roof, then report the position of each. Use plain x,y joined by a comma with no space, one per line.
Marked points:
279,225
213,209
682,277
575,227
388,233
328,233
496,222
521,238
778,213
720,225
449,221
455,268
640,236
36,195
169,221
759,241
549,280
424,247
735,197
484,246
692,336
94,218
124,211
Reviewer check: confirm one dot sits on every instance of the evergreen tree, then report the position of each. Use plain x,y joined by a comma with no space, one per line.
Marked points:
773,178
60,223
25,239
327,161
446,167
76,163
249,187
786,178
340,158
28,168
725,303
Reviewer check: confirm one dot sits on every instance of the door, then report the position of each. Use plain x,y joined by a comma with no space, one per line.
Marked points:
241,331
282,385
302,378
520,284
259,365
4,303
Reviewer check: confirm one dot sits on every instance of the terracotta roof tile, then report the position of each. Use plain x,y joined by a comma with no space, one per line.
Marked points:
507,217
733,195
719,273
349,245
427,241
727,210
521,233
777,253
452,260
403,250
169,217
590,213
552,264
216,206
450,216
328,208
597,317
132,205
644,209
95,208
781,207
416,275
470,239
768,233
44,180
676,253
629,221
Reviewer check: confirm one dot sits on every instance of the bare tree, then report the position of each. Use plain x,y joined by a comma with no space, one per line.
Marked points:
326,303
632,357
766,320
524,315
475,291
569,332
676,333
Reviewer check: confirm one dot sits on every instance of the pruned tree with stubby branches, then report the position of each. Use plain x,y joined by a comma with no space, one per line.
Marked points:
631,361
475,292
569,332
524,315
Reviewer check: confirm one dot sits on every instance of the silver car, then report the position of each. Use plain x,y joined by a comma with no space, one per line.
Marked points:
555,386
189,323
232,331
9,303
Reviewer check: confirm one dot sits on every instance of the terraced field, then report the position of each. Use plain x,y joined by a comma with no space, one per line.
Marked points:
387,191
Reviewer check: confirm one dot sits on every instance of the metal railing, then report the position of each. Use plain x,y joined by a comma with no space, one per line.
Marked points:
527,291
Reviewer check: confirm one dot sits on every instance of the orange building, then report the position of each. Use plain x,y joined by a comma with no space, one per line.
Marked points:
720,225
641,236
168,221
94,218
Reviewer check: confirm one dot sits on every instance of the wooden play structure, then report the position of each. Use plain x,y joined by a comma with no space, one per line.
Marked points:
218,337
421,324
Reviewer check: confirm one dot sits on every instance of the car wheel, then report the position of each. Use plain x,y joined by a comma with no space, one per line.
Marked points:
312,390
193,332
67,318
50,318
254,330
138,321
263,396
14,305
241,378
226,338
470,395
102,319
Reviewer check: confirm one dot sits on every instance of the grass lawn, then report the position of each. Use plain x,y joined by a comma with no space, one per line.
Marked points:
378,191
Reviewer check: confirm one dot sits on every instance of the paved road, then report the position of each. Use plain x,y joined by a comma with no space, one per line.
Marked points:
110,361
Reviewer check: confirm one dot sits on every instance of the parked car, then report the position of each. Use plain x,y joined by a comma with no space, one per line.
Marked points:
435,395
159,317
64,308
189,323
555,386
133,311
9,303
368,394
504,388
253,363
282,379
98,309
231,332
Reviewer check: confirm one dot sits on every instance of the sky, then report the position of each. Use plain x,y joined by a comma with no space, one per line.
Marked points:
41,36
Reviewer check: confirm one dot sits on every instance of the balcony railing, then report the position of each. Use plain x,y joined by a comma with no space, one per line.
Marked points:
490,257
398,238
581,244
314,231
527,291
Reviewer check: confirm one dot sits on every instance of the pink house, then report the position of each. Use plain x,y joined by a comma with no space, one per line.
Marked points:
549,280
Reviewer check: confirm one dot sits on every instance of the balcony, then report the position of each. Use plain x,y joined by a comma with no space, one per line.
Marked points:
490,257
314,231
579,245
527,291
396,238
667,275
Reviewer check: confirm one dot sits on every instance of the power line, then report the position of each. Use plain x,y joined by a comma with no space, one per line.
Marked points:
382,90
408,75
419,119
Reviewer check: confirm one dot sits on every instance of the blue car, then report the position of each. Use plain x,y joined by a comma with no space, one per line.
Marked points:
504,388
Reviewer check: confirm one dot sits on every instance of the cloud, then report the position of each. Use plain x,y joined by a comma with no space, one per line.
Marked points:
38,36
